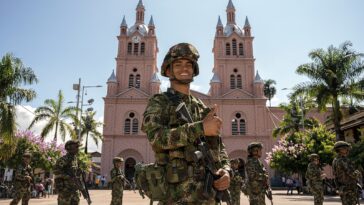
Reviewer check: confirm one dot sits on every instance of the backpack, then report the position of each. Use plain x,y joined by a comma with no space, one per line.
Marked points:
150,181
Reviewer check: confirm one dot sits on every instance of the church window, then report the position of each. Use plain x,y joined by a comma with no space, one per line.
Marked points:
228,49
238,82
142,48
136,48
241,49
129,48
232,82
238,126
234,47
127,126
137,81
131,124
131,80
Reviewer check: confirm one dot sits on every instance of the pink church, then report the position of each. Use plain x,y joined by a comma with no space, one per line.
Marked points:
235,87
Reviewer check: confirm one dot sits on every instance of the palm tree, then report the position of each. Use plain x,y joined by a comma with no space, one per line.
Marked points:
334,73
89,127
295,118
13,74
56,115
269,89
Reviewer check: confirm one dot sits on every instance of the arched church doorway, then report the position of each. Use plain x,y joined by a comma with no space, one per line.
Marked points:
129,170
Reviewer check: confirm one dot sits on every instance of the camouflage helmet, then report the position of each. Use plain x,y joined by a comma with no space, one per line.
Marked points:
117,159
313,156
340,144
71,142
254,145
181,51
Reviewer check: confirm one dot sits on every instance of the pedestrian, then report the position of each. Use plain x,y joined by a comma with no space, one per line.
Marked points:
283,181
346,177
289,183
117,181
257,175
22,181
235,183
103,180
97,181
66,170
175,140
315,178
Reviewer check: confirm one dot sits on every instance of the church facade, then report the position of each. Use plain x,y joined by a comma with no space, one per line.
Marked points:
235,87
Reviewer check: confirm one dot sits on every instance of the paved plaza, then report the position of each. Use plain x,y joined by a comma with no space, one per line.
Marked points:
103,197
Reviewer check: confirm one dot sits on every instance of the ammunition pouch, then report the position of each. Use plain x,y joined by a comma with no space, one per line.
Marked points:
59,184
150,180
177,170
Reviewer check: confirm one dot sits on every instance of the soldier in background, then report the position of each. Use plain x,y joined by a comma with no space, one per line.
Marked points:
257,175
235,183
315,178
174,140
345,174
23,181
65,170
117,181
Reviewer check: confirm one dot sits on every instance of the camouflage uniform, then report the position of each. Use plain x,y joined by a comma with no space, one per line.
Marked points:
257,177
117,180
65,169
345,176
314,180
21,184
235,185
174,141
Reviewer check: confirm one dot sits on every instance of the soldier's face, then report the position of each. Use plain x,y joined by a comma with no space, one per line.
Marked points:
182,70
343,151
316,161
26,160
73,149
118,164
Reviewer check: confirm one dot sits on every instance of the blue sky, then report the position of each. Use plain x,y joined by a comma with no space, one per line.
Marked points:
65,40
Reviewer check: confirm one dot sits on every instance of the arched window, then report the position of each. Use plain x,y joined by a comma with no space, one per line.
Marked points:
228,49
238,82
234,47
137,81
135,126
241,49
127,126
232,82
131,124
131,80
136,48
129,48
142,48
238,126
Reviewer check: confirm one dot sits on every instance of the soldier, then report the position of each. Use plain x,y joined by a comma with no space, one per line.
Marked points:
174,140
345,174
235,183
315,178
65,170
257,175
23,181
117,181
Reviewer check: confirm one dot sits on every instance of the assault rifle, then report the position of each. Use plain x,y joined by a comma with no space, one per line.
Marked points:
80,182
204,154
269,195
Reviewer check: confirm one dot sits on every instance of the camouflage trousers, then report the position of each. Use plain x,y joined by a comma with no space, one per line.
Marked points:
68,198
257,199
235,196
117,196
317,191
348,195
23,195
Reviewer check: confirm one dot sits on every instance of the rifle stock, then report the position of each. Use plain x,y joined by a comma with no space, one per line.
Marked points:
204,154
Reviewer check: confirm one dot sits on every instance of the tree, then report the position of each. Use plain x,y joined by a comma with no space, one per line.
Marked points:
89,127
269,89
13,74
291,153
334,73
295,118
56,115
